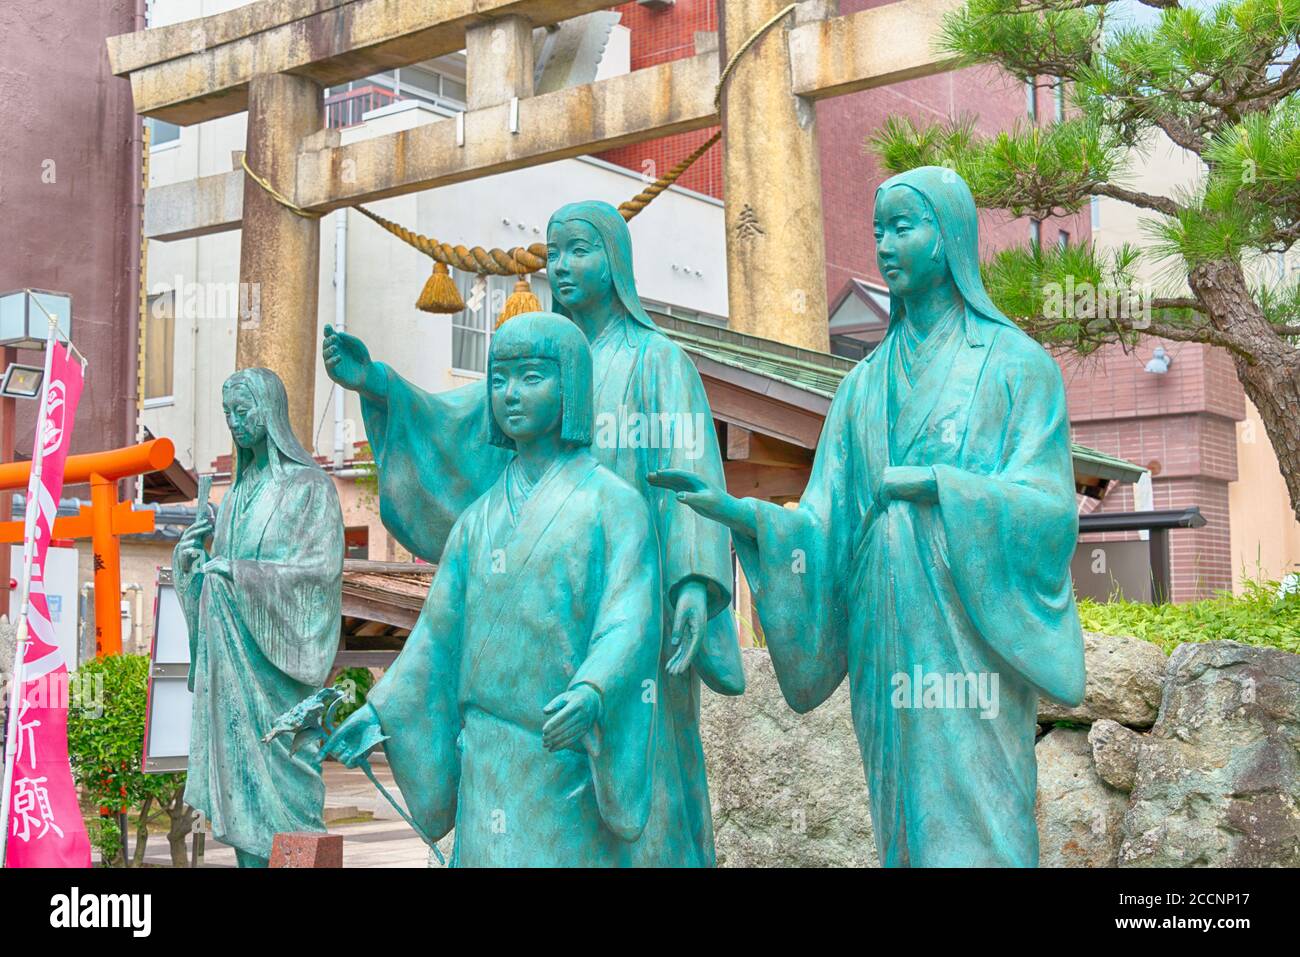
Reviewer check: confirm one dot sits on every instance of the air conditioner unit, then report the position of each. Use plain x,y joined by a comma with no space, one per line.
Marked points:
656,4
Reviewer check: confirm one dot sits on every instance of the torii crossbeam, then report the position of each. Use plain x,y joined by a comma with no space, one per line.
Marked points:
273,58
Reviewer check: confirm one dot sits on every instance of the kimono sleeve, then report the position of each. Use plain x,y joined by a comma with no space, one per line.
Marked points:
622,663
433,457
416,699
1011,534
290,597
694,548
800,563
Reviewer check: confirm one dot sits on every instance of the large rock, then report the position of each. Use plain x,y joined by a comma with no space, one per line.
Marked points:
1079,816
788,789
1115,753
1217,782
1124,678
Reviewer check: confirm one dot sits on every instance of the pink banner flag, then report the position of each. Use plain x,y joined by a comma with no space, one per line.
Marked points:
45,828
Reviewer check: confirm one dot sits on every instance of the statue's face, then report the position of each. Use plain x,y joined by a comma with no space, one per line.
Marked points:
527,397
577,266
909,250
247,425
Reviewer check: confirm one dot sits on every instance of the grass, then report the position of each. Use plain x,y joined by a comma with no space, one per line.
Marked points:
1255,617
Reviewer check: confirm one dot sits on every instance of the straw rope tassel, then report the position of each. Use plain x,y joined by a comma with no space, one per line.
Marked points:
440,294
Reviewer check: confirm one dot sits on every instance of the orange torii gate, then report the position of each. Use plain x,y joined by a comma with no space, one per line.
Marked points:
102,522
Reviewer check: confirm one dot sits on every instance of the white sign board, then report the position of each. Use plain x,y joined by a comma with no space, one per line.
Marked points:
167,721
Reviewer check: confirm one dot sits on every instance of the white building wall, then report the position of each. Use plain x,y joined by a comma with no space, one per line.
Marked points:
679,251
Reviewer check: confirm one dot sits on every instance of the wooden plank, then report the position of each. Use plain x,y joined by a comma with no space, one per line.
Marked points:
199,70
736,405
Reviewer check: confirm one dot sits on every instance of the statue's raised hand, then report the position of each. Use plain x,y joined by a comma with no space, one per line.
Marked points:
347,360
707,499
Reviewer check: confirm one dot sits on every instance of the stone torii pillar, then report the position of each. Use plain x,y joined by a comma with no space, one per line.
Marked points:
776,253
279,250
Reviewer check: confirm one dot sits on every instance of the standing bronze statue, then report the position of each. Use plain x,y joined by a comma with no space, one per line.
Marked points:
651,413
522,707
929,557
262,604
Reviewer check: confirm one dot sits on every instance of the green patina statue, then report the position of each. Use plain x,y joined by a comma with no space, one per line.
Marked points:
262,605
928,559
522,709
650,413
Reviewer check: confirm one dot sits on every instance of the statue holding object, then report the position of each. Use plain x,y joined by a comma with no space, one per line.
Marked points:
433,463
262,603
523,706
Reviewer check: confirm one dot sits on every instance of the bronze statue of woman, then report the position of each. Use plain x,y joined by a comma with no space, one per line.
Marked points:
262,604
929,557
433,462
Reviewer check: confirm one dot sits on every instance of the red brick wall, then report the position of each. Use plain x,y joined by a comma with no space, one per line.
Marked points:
659,36
850,174
1182,425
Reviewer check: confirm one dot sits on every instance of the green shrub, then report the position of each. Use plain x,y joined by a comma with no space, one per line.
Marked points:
1255,617
355,683
106,718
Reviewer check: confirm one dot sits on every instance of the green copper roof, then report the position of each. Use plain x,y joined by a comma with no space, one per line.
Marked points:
821,373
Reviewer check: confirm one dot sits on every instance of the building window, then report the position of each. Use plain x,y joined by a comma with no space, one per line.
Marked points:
1031,99
159,345
1096,212
356,542
1036,232
161,132
1062,239
1060,100
471,328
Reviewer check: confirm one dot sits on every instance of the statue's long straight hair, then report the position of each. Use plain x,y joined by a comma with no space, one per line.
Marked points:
271,398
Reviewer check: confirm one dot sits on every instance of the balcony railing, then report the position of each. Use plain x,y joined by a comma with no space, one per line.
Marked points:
347,108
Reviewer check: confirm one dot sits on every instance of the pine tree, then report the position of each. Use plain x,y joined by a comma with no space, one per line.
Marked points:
1220,82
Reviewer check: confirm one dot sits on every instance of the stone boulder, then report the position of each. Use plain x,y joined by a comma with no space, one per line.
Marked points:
1079,816
1124,677
1115,753
1217,782
788,789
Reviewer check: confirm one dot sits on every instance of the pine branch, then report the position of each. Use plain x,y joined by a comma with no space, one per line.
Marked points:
1160,204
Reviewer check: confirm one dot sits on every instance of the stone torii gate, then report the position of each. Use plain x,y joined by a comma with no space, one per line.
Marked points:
274,57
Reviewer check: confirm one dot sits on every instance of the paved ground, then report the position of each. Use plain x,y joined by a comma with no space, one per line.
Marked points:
387,841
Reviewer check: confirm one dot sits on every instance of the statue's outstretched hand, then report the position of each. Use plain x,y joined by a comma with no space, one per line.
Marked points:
709,500
354,738
346,359
573,714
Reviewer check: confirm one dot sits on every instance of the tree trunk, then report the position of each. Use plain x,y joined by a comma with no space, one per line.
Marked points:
1272,380
182,823
142,832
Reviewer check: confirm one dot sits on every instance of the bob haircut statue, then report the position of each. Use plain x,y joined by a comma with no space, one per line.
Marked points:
538,335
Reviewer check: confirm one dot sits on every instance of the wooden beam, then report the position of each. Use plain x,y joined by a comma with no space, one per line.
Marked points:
200,69
673,97
876,47
736,405
770,483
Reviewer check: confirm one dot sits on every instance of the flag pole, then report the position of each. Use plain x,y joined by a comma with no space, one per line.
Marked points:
20,636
